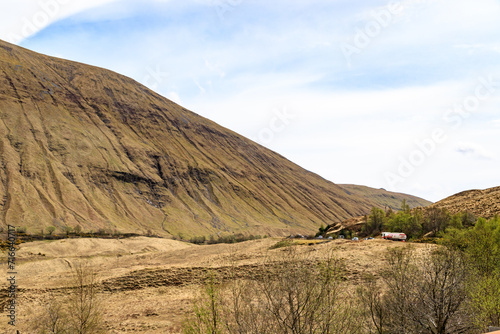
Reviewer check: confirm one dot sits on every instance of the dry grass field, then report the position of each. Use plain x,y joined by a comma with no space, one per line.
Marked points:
148,285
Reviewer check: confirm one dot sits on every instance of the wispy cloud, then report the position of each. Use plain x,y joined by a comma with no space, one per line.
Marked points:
22,19
475,151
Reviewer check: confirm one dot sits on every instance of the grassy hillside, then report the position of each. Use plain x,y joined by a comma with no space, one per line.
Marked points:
81,145
384,198
482,203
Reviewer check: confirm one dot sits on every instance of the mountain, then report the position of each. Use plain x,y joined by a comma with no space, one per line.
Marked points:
81,145
384,198
482,203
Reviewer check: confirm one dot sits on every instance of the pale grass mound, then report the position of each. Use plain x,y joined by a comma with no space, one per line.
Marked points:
101,247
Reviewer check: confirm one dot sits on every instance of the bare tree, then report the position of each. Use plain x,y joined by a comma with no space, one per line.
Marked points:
303,295
441,287
423,294
371,299
78,311
400,292
54,319
292,295
84,304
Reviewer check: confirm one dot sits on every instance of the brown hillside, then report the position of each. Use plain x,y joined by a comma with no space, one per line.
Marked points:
384,198
83,145
482,203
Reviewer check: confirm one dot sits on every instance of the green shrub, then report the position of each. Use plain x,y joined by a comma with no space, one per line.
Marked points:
282,243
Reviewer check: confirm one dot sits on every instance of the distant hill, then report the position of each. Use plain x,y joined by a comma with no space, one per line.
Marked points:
482,203
384,198
81,145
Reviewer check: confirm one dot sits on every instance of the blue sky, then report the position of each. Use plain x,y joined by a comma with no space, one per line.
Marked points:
401,95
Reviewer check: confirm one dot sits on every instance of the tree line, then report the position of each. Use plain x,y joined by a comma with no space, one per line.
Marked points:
415,223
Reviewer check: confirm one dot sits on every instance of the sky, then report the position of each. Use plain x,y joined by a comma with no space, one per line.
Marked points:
401,95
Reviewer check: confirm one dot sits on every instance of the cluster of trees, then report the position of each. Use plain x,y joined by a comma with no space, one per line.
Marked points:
62,232
453,287
77,230
415,223
480,245
224,239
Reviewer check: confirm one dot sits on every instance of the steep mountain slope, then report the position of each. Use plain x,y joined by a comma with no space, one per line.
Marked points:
81,145
482,203
384,198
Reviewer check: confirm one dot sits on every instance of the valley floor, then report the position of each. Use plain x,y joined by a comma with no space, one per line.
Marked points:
149,284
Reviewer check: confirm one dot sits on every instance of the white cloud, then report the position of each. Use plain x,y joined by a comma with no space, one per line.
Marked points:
475,150
24,18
